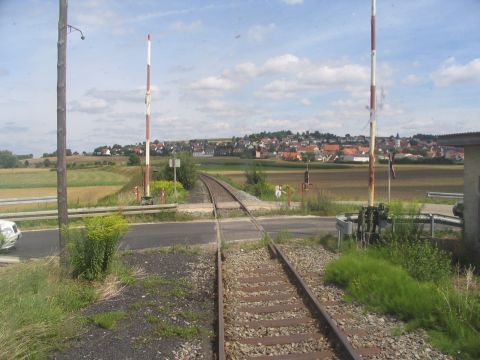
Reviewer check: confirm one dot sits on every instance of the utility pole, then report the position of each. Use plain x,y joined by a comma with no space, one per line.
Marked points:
147,115
62,134
371,153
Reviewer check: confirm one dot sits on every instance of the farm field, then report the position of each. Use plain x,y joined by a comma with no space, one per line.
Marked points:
412,182
85,186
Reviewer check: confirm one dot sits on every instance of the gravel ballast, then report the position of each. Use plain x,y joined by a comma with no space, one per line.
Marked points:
240,267
382,331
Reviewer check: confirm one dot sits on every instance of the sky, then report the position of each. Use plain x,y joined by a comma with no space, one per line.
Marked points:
223,68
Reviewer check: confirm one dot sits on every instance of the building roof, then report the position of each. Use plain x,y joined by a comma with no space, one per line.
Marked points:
462,139
331,147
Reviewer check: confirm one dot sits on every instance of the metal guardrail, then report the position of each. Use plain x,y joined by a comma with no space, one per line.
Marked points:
444,195
345,222
85,212
36,199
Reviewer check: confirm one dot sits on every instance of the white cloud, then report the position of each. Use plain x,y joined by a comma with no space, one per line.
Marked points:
282,63
220,108
258,33
213,83
326,75
247,69
129,95
412,79
279,89
192,27
305,102
452,73
292,2
90,106
306,76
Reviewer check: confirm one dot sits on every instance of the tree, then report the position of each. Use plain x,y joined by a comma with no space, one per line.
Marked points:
186,173
133,159
255,175
308,156
8,160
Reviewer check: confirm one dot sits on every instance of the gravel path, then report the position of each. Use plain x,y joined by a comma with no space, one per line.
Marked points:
382,331
170,311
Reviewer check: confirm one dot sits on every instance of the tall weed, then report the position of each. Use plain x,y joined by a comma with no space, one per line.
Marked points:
92,249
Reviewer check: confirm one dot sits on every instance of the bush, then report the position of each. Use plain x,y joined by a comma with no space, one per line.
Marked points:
167,185
262,190
255,175
321,204
406,246
186,173
133,159
92,249
169,190
423,260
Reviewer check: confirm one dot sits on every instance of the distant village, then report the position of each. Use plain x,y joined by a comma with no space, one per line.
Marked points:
307,146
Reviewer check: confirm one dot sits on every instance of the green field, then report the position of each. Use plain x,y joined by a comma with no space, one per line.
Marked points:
39,178
345,181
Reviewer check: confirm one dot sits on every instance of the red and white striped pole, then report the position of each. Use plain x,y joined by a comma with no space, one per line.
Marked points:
373,105
147,113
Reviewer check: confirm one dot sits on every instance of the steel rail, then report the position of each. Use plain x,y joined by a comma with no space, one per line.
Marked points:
330,326
221,321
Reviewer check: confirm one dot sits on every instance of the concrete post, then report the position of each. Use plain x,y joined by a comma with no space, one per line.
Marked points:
472,197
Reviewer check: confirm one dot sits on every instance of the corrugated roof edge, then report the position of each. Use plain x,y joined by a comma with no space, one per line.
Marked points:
459,139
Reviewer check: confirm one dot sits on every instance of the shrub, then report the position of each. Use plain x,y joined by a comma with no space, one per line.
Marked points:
423,260
186,173
255,175
166,185
92,249
169,190
263,190
405,246
133,159
320,204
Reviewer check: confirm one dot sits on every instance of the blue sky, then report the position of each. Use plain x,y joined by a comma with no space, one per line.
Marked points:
224,68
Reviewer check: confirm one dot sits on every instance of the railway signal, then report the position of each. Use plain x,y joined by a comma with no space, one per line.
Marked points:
148,100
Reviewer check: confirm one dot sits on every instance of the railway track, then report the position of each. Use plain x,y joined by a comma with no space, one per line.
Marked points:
265,308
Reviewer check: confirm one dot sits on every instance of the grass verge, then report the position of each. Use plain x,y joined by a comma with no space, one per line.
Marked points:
450,316
37,310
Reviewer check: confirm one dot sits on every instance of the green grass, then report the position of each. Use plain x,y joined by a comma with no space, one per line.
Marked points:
167,329
162,286
101,176
190,315
37,310
108,320
154,281
451,317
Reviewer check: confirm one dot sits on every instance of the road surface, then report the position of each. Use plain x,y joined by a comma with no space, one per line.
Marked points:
39,243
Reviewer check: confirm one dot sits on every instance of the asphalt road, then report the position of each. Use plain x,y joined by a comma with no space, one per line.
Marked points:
41,243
